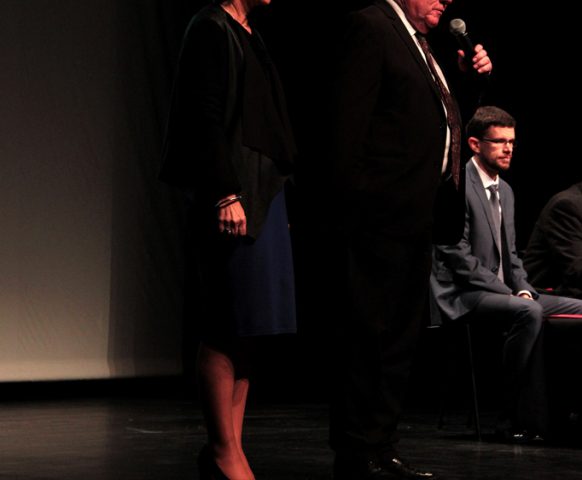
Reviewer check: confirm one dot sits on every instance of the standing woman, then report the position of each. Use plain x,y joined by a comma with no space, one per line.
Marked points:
229,147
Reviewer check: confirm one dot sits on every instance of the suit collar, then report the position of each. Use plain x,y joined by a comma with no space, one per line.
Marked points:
410,43
473,175
486,180
408,40
386,8
402,16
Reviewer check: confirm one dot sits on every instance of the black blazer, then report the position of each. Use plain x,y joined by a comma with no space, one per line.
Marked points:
389,135
554,254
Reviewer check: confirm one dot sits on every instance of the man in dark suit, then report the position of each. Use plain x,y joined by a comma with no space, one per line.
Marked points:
393,142
483,276
554,254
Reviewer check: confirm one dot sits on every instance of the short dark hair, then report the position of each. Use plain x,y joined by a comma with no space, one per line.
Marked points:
486,117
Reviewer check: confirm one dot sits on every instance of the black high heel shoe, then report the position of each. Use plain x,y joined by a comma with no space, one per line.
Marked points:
207,467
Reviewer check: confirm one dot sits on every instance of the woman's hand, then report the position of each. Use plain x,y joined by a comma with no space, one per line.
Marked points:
232,220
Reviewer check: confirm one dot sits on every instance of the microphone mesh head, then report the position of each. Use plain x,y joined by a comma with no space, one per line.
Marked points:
457,27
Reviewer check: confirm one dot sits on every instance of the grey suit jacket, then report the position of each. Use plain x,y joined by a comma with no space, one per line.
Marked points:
463,273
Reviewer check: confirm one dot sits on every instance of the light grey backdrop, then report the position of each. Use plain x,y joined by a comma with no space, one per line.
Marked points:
90,264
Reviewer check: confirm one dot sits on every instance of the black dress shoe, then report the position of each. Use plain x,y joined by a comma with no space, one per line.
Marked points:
518,437
376,467
397,468
349,466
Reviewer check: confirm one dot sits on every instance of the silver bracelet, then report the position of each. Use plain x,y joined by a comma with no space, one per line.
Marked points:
225,202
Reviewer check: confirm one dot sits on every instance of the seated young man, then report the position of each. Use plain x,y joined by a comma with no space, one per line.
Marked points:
483,276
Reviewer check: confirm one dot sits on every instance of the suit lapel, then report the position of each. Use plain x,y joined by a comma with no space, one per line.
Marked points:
503,199
385,7
479,191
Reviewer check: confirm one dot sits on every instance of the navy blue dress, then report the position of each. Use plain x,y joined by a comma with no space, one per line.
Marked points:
262,280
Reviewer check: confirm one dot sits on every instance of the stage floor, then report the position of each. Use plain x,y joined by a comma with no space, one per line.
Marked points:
158,438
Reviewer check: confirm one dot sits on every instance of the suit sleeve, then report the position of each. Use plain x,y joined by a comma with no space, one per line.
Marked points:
564,234
468,270
355,93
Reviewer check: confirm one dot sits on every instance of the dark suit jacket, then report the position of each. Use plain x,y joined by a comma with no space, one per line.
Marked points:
554,254
463,273
389,135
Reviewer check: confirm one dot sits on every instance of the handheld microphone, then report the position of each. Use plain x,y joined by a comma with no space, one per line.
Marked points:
458,28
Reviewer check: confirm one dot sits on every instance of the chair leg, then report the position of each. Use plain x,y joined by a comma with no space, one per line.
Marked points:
445,383
473,384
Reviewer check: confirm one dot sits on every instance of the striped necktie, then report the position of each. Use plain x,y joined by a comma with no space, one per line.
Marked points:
453,117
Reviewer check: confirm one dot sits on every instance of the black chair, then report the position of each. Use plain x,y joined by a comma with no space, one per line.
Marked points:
563,335
457,342
559,327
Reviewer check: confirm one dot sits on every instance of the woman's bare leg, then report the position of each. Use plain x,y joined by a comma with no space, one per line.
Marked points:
224,400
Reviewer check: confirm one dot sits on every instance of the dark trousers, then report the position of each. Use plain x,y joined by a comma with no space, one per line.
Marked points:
380,300
525,398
